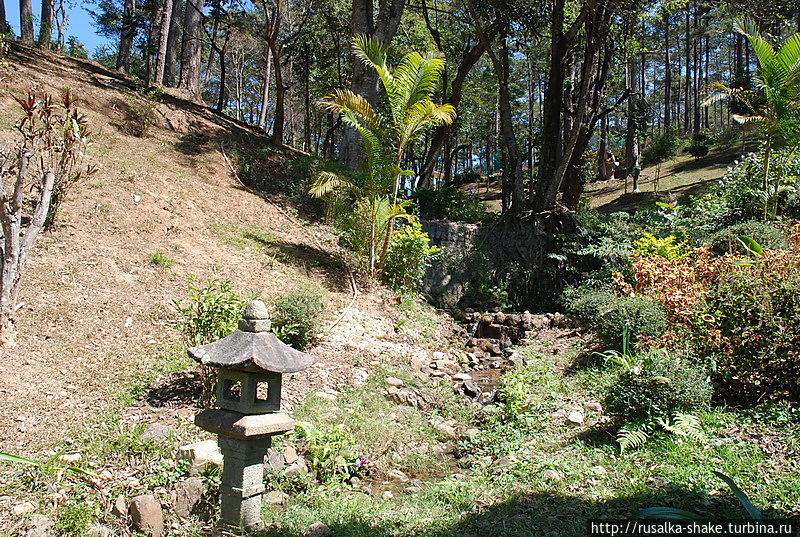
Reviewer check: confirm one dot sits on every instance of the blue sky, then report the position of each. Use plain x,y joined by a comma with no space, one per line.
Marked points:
79,23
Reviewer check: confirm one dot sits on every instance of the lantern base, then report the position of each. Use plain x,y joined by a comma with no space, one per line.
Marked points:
238,425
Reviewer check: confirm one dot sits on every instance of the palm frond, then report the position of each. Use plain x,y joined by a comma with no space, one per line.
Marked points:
354,109
326,182
374,53
415,80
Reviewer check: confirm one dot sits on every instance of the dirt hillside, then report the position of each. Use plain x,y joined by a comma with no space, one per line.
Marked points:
95,310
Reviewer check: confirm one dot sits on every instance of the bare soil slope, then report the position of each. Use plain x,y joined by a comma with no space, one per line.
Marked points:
95,310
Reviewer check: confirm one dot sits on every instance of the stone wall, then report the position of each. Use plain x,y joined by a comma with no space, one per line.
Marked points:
514,249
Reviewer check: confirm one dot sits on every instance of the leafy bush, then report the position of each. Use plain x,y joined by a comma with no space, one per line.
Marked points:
142,114
296,317
331,452
408,256
662,147
468,176
668,247
660,386
697,150
755,310
449,203
767,235
211,313
644,318
611,315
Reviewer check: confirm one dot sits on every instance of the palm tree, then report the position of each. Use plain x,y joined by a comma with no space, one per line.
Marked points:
774,104
386,134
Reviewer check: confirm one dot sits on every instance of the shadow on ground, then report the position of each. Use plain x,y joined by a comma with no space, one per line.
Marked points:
541,515
182,388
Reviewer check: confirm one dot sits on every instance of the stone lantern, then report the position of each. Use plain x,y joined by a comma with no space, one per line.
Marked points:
250,363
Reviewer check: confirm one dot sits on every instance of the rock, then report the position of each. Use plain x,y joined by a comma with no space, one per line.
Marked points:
318,529
462,376
552,475
298,467
156,432
188,494
598,470
575,417
471,389
39,526
273,462
437,373
275,497
449,431
449,367
290,455
593,407
354,481
201,455
387,495
120,507
70,458
394,381
147,516
439,356
398,475
24,508
325,395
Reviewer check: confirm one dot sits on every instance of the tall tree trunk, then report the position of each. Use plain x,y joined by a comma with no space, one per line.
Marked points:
365,80
163,38
173,39
46,24
667,77
688,79
262,115
553,101
191,50
4,26
632,128
280,90
26,20
126,36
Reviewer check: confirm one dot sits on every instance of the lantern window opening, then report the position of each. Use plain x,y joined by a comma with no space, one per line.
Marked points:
232,389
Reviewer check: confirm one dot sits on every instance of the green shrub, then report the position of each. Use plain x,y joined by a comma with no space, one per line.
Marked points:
211,313
142,114
644,318
756,310
611,315
470,175
767,235
586,303
296,317
331,452
408,257
697,150
158,259
449,203
661,147
660,386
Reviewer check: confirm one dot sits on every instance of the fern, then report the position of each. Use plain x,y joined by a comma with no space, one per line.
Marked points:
684,425
632,438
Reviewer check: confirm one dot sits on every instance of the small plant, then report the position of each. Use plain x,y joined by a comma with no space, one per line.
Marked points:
643,317
142,114
74,518
158,259
296,317
515,391
332,452
408,256
668,247
210,314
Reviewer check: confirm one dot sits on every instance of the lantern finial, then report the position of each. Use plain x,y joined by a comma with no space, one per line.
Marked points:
255,318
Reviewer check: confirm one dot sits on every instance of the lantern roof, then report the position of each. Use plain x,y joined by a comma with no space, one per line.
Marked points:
253,347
